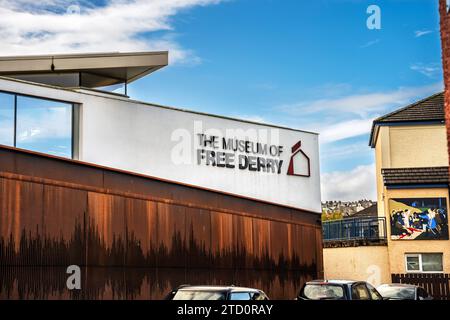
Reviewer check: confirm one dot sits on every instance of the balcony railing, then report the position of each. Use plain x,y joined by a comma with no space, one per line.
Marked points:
363,230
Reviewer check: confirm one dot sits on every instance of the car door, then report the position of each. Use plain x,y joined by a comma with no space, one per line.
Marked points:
360,292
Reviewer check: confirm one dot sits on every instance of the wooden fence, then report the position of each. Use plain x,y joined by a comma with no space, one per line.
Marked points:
436,284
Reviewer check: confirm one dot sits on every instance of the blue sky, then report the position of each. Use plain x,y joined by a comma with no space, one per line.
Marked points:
310,65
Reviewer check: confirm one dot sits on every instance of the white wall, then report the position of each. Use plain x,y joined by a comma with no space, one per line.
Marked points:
141,138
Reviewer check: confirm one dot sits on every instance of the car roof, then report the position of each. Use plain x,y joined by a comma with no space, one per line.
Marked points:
331,281
218,288
398,285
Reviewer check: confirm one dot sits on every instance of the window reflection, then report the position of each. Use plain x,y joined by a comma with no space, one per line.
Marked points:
6,119
44,126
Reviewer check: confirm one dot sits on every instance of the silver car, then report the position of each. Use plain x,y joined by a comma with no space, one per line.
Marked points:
187,292
401,291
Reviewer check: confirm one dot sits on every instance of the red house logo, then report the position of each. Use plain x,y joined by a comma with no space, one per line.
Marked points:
299,165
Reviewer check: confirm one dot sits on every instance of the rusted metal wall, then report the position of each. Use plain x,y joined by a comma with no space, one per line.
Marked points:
137,237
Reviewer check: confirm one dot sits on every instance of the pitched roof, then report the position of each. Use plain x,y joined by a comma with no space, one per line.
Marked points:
371,211
408,176
425,110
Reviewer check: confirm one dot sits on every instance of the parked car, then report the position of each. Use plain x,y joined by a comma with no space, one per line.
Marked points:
187,292
338,290
401,291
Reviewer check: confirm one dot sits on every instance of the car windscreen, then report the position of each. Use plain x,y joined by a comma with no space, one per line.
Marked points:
199,295
397,292
322,292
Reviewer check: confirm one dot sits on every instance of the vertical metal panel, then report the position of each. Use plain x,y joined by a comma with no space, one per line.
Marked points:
106,230
21,222
198,237
319,255
279,244
308,257
222,239
141,228
171,235
243,241
63,225
297,246
261,243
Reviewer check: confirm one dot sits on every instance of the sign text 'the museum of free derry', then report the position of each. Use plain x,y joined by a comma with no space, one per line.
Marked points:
239,154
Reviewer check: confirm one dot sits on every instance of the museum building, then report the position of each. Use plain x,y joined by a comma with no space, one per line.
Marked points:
91,177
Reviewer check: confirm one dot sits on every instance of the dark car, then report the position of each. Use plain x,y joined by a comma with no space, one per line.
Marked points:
187,292
401,291
338,290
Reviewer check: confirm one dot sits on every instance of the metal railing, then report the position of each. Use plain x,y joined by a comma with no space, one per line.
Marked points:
363,228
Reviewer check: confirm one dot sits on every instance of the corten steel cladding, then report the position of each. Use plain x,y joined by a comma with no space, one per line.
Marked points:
137,237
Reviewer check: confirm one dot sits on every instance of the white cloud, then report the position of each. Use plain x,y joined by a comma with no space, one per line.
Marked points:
344,130
338,117
44,124
358,183
362,104
31,27
420,33
370,43
334,152
429,70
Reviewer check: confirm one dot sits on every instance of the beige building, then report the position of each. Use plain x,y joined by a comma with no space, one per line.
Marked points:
413,195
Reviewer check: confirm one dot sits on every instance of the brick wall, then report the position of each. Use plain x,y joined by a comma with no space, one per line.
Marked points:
445,42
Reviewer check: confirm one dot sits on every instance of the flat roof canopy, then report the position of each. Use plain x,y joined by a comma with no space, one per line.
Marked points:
100,69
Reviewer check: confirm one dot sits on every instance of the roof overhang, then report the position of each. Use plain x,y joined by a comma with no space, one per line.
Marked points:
377,124
373,134
103,68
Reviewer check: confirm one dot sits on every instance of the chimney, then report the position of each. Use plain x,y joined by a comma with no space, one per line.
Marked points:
445,44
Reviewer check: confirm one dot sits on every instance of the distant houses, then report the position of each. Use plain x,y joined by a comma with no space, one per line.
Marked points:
332,210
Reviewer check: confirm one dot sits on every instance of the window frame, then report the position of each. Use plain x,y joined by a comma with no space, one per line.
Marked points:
14,115
419,255
74,120
373,291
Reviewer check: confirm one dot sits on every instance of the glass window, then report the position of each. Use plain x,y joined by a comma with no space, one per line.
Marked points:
6,119
432,262
199,295
258,296
412,263
359,292
322,292
44,126
239,296
424,262
374,293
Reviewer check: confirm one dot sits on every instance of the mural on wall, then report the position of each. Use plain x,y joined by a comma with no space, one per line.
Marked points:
419,219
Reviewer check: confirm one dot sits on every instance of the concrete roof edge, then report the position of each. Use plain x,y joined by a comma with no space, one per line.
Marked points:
82,55
113,96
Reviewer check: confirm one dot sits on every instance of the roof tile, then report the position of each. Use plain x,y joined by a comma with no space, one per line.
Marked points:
405,176
428,109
